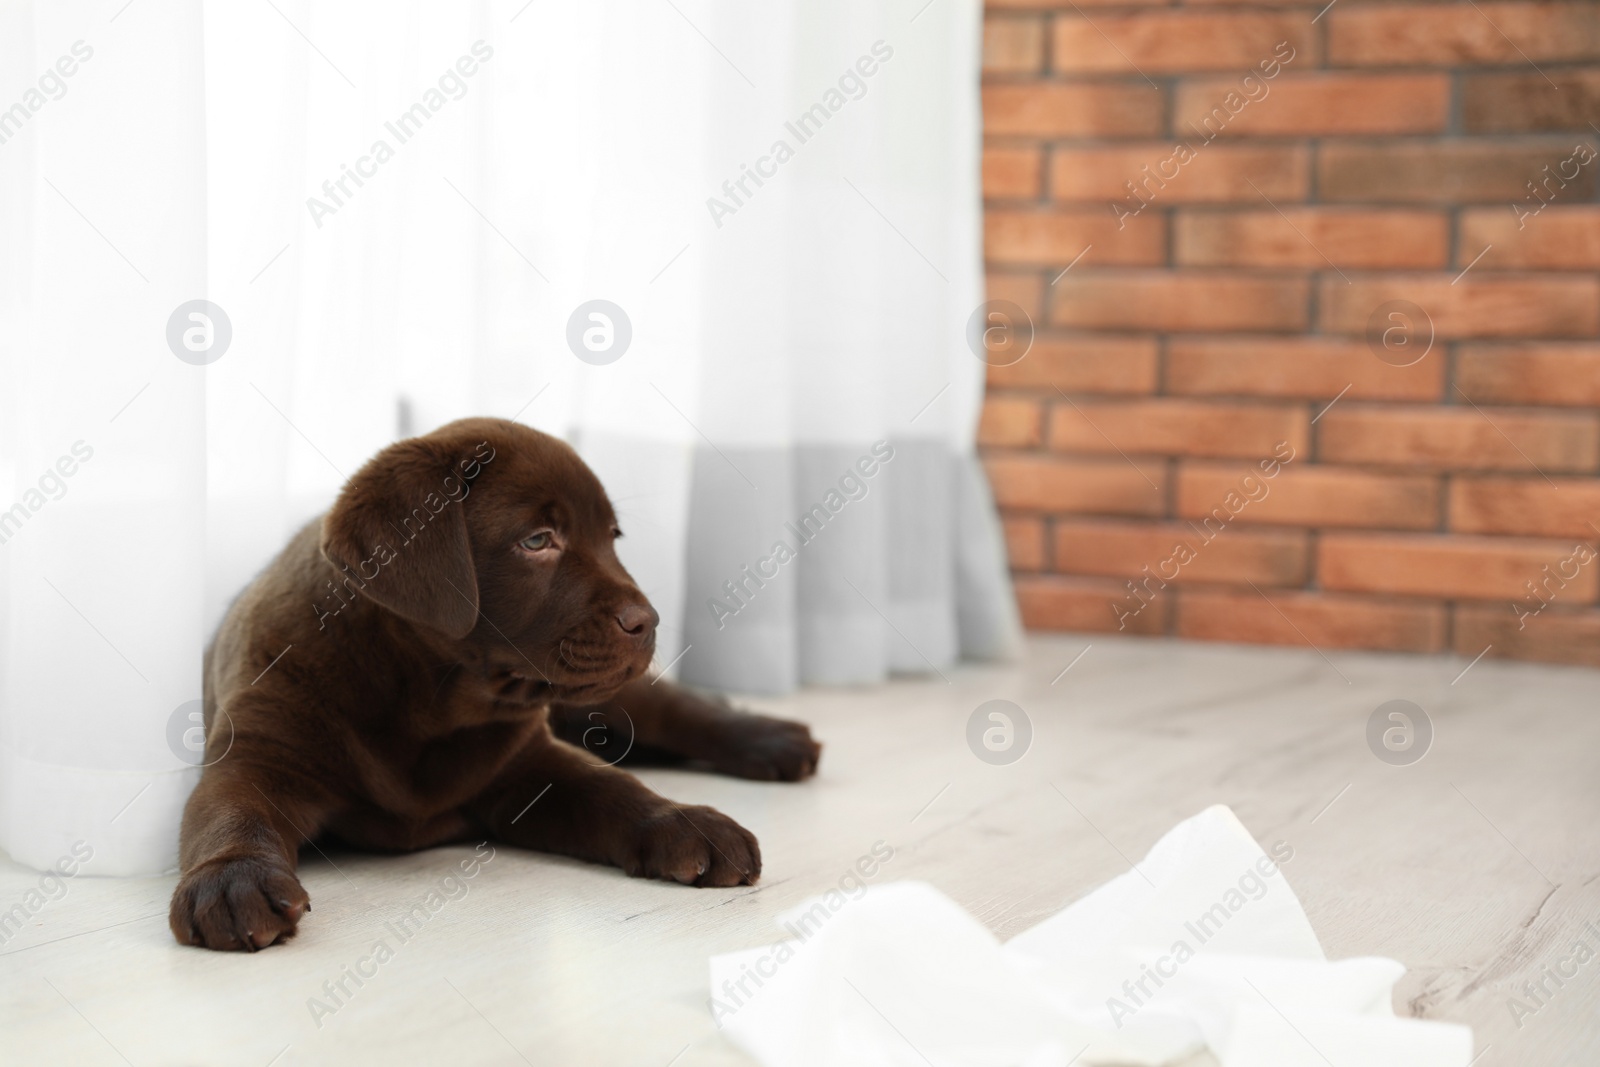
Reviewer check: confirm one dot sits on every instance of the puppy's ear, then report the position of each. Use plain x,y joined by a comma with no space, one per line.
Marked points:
401,531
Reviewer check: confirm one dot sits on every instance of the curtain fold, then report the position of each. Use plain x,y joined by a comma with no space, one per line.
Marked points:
399,215
102,443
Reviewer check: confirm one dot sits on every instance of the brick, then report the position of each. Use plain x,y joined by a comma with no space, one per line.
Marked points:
1553,373
1216,174
1414,35
1022,288
1313,238
1565,507
1013,45
1009,421
1124,549
1177,302
1480,568
1085,486
1057,603
1445,172
1312,104
1189,327
1459,438
1054,109
1555,635
1176,40
1055,238
1065,5
1321,620
1556,238
1301,495
1084,363
1517,103
1176,427
1012,173
1024,542
1311,368
1480,304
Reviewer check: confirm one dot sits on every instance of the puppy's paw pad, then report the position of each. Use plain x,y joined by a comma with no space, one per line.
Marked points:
241,904
694,845
770,750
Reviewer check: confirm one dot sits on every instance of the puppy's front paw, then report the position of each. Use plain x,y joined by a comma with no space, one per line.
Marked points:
767,749
237,904
695,845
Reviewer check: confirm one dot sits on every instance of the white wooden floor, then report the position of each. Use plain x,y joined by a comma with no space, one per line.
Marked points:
1476,867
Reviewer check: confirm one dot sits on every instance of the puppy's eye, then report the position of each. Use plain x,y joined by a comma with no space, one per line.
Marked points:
538,542
616,531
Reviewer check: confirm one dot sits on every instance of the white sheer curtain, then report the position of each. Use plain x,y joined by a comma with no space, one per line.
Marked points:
399,208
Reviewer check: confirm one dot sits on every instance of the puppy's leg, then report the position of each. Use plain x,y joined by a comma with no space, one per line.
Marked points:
554,798
673,719
242,830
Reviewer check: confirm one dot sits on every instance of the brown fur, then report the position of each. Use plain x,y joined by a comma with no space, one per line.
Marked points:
408,672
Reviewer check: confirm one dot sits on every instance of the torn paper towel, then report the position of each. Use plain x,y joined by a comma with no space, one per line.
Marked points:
1202,946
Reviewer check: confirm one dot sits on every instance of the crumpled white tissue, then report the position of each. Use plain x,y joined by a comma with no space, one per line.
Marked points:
1203,945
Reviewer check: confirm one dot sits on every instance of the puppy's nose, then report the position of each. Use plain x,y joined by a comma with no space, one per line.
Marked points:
638,620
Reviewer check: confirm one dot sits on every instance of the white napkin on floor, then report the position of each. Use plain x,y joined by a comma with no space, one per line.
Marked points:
1202,945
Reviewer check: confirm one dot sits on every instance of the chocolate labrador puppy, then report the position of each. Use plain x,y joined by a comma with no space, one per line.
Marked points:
424,665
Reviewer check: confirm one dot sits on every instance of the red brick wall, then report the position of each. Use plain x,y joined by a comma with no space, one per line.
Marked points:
1217,322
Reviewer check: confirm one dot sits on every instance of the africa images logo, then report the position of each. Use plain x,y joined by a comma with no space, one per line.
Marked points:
852,485
852,85
336,192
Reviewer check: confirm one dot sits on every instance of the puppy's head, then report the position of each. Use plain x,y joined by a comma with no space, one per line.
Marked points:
500,540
